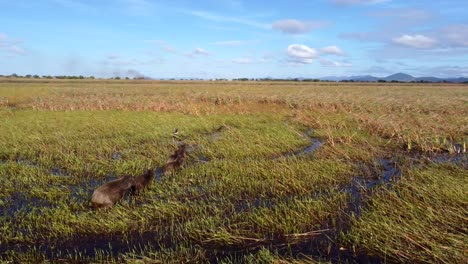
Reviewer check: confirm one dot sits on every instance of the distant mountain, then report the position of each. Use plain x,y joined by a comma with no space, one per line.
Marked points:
458,80
400,77
397,77
359,78
366,78
428,79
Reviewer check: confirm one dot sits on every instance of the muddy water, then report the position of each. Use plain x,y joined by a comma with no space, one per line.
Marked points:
419,159
19,203
158,174
117,155
360,188
315,144
59,172
216,134
89,246
81,192
325,246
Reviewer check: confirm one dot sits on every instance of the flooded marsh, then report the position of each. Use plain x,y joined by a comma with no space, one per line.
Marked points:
276,172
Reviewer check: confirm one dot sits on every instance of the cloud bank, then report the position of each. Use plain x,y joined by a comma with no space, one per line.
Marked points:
301,54
415,41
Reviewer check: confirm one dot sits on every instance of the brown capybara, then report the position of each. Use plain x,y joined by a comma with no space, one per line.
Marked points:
176,160
143,181
108,194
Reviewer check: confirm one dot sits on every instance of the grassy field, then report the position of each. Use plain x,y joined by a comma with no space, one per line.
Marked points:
277,172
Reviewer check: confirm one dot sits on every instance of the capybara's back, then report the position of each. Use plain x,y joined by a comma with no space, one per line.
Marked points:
109,193
144,180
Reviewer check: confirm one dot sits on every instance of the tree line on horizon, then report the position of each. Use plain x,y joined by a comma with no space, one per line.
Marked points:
35,76
81,77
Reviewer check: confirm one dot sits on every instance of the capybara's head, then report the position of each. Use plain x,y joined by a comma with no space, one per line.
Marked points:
149,174
181,149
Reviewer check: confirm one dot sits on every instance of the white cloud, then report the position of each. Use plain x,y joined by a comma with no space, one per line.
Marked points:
455,35
293,26
112,57
415,41
163,45
394,20
301,54
330,63
441,71
168,48
449,71
197,52
200,51
361,36
10,46
405,14
448,38
334,50
16,50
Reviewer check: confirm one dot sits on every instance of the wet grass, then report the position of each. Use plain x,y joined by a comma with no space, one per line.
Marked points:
422,219
275,172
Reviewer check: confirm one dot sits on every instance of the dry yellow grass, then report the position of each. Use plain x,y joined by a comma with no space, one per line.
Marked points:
416,116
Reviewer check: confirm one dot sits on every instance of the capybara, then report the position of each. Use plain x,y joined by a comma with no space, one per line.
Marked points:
176,160
109,193
143,181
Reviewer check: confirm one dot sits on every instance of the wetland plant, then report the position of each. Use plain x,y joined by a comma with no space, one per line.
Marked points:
108,194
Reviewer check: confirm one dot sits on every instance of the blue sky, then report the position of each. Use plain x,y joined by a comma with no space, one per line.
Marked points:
234,38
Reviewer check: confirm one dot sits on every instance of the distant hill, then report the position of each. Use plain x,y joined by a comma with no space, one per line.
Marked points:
397,77
366,78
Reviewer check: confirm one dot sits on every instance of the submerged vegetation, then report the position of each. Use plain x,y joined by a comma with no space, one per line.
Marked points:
273,171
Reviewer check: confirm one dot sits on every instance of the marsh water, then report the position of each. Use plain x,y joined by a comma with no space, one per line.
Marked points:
383,172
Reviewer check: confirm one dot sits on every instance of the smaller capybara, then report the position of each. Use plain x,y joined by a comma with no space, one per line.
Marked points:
176,160
143,181
108,194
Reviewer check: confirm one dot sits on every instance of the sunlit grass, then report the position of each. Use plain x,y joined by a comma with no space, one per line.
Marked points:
422,219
